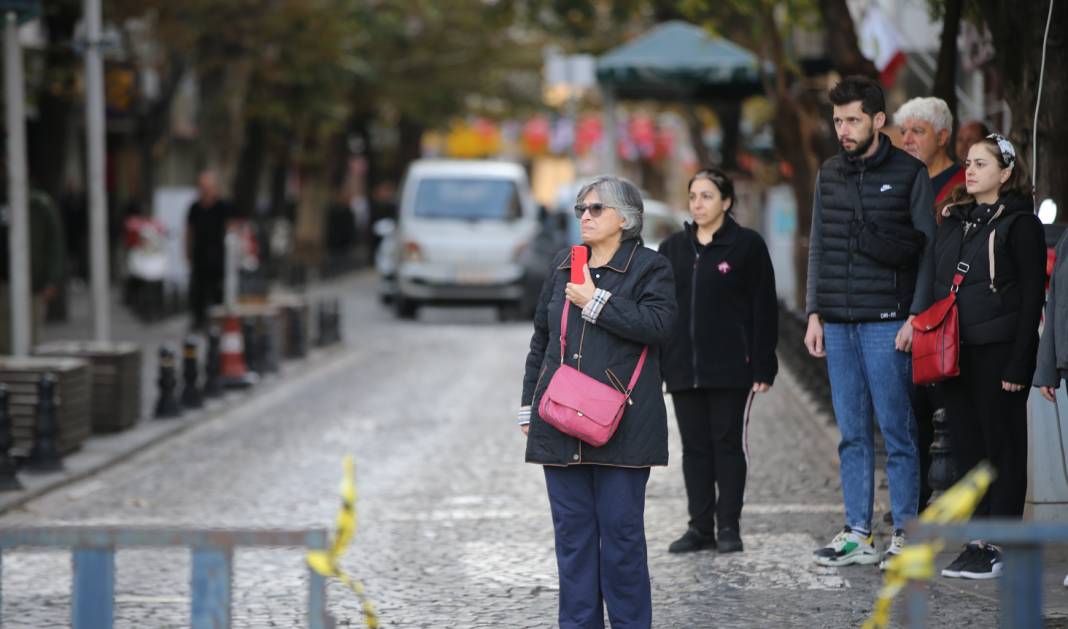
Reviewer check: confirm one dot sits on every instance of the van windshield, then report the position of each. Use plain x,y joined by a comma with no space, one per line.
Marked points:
467,199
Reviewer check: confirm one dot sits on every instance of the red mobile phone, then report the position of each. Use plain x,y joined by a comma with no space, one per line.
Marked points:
579,255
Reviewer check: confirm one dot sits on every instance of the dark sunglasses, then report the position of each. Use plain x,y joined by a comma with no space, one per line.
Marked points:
595,209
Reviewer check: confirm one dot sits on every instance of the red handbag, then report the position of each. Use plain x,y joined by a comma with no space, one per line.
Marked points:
579,406
936,337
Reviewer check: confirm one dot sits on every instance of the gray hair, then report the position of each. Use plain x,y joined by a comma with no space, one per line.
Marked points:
929,109
622,195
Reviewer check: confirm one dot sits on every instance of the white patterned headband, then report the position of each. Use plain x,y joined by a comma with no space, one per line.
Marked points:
1008,151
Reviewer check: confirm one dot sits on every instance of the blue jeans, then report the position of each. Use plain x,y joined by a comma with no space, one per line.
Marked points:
599,525
868,375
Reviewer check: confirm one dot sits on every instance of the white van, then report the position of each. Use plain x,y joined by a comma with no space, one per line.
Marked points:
461,229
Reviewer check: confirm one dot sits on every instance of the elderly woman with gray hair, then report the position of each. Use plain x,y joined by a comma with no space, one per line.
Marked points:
597,494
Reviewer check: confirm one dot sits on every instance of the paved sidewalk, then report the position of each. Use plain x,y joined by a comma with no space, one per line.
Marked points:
101,451
984,594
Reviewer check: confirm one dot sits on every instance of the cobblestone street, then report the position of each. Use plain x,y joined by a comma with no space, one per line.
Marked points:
454,529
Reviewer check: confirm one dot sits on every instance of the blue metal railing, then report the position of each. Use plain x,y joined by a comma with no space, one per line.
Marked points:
93,548
1020,584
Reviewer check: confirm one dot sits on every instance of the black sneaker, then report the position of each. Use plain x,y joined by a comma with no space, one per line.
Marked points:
692,540
953,569
730,541
986,564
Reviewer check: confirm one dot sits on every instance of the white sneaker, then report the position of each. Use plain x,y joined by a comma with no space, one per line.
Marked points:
847,548
1066,580
897,543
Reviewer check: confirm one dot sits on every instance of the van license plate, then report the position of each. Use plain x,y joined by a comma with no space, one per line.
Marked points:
469,277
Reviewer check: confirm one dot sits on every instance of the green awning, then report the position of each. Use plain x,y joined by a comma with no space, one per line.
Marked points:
680,60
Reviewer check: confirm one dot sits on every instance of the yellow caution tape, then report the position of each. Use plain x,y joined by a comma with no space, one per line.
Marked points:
916,562
325,562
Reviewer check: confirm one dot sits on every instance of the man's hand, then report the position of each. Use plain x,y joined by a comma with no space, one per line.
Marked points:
1050,393
761,387
525,428
903,340
814,337
1013,387
581,294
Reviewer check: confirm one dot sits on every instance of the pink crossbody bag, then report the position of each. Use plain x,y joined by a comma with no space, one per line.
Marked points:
577,405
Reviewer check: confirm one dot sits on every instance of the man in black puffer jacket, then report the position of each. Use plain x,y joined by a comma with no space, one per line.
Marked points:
870,270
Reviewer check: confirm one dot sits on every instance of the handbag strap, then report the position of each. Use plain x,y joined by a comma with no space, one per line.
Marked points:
964,265
854,196
563,348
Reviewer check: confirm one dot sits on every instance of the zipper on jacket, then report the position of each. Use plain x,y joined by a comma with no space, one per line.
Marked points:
849,256
693,313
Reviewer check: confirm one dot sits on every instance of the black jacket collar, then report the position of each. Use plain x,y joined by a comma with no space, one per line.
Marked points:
1010,203
857,164
620,262
726,234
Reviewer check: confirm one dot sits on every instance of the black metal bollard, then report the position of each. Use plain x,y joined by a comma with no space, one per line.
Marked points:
335,321
44,456
167,405
324,325
213,367
268,352
252,351
943,472
191,395
298,342
8,480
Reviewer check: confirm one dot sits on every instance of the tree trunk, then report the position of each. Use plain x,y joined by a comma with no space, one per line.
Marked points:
792,132
221,115
945,80
48,131
249,166
153,128
1052,164
1017,32
410,142
842,45
729,113
697,139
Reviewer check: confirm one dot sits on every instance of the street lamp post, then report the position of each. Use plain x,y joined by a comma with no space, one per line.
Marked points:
94,125
17,192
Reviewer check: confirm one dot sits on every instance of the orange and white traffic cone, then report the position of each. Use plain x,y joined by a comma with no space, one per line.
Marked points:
234,373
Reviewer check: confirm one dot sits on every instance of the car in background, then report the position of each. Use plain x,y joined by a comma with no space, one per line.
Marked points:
560,228
461,229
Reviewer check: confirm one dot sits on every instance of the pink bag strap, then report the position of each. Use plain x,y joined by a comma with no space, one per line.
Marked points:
563,349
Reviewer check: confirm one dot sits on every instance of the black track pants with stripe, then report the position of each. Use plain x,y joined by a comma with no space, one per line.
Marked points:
713,424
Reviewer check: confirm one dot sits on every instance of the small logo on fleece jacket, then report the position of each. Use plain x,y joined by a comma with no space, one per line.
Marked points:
886,187
724,267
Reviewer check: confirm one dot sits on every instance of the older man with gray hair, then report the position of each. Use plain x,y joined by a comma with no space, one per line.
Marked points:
926,126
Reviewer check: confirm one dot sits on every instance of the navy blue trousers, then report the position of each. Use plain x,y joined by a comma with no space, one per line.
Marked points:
599,522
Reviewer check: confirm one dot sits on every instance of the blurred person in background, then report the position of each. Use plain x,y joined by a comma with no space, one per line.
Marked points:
205,246
722,353
989,223
47,252
968,134
597,494
926,126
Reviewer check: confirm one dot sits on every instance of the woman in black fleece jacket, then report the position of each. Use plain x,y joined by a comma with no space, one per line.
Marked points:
989,224
721,353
